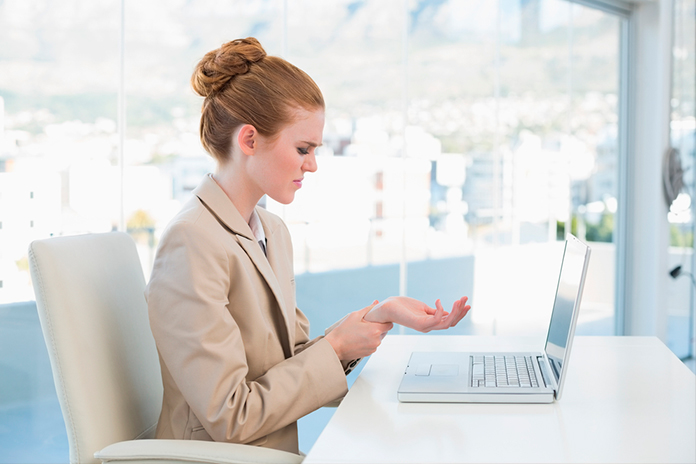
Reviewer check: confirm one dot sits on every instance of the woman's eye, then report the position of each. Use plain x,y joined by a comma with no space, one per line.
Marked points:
303,151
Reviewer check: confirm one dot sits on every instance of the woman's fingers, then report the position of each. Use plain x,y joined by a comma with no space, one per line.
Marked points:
440,319
459,310
463,309
440,313
428,310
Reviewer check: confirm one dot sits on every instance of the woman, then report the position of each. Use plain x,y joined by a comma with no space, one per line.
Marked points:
237,363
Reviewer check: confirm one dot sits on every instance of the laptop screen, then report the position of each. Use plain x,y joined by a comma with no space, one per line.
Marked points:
566,305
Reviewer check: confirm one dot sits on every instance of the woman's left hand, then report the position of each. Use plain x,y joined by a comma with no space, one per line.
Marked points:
415,314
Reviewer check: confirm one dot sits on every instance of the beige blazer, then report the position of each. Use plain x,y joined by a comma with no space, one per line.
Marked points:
237,363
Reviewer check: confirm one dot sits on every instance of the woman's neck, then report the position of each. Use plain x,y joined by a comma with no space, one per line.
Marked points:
237,189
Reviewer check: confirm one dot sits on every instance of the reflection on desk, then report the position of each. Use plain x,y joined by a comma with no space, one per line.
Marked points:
626,399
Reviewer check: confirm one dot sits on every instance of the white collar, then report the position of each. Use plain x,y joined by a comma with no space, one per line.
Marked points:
256,227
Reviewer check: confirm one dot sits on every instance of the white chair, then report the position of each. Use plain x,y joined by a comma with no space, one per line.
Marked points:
89,294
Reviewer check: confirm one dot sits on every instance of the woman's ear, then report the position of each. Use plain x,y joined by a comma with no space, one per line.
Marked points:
247,139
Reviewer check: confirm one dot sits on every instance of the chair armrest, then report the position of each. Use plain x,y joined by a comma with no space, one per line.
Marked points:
192,451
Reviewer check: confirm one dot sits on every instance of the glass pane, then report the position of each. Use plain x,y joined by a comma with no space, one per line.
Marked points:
527,133
592,150
58,142
452,126
681,300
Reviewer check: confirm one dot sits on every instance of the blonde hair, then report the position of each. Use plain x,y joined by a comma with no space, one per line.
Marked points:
243,85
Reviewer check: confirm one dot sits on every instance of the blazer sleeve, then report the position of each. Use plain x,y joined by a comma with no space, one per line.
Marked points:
202,346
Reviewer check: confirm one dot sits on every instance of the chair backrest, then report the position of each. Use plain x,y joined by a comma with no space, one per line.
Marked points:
89,295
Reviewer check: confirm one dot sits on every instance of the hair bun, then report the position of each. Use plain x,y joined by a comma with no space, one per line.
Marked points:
219,66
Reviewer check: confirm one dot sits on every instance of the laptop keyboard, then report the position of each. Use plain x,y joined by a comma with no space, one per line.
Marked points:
503,371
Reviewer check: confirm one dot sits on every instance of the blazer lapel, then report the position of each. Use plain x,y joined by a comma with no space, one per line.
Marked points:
281,266
217,202
262,264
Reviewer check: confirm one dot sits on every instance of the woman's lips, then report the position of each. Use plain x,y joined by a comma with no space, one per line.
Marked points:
297,182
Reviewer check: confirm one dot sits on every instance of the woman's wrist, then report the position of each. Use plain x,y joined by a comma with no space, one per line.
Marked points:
335,344
378,313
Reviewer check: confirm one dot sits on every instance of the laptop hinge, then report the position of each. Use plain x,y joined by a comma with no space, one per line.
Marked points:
543,367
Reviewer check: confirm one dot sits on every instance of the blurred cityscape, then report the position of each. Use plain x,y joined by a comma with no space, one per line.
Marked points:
506,132
65,179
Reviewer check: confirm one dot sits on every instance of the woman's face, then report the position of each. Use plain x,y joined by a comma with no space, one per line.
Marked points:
279,165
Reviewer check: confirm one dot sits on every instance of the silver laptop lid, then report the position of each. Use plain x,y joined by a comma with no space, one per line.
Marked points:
566,307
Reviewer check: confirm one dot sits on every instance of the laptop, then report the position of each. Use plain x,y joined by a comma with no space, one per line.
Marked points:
506,377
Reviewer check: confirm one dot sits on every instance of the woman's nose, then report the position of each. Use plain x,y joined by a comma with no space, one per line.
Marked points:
310,164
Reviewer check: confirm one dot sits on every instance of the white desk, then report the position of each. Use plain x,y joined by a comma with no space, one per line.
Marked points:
638,405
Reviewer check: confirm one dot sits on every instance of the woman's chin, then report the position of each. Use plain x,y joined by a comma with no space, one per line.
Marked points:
284,200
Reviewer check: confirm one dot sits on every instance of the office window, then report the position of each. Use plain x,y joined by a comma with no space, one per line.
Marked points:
470,131
58,89
519,94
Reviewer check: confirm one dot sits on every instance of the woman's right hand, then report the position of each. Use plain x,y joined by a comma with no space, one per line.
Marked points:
355,337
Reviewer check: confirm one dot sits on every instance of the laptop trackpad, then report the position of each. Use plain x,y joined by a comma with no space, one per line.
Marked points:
437,369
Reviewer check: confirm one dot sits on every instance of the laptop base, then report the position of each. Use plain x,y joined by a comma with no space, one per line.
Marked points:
541,398
444,377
